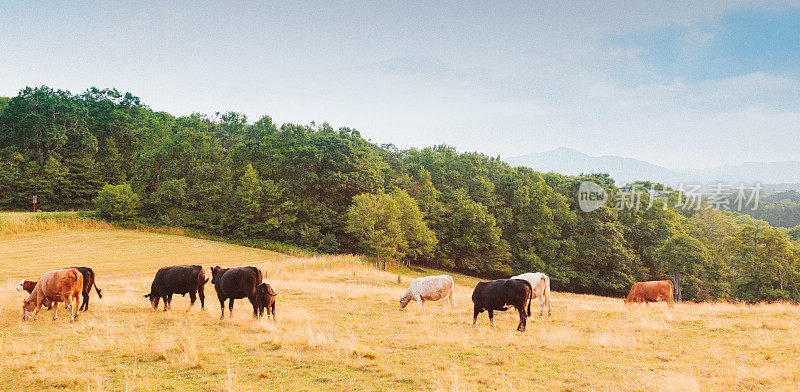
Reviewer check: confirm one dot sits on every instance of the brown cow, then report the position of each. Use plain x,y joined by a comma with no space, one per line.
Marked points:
651,291
26,285
56,286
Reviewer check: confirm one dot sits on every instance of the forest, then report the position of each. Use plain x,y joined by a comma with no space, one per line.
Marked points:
332,191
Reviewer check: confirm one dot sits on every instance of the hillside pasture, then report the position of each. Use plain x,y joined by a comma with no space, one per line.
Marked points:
339,329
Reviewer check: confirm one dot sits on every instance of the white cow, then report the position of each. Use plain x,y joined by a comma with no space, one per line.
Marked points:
541,288
430,288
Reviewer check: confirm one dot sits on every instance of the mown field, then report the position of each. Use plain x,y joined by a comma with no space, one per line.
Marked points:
339,329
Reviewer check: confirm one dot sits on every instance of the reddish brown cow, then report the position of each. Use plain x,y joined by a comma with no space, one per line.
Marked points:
651,291
26,285
56,286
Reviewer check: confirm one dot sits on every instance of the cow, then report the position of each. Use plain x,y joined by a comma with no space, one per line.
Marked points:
541,288
498,295
429,288
179,279
63,285
26,285
236,283
88,282
266,300
651,291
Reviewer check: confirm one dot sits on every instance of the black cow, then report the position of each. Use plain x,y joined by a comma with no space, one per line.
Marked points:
88,282
498,295
236,283
266,299
180,279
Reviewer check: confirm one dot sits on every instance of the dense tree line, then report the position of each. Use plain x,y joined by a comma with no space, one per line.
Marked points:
333,191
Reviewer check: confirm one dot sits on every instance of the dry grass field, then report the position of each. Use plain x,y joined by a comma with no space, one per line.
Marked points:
339,329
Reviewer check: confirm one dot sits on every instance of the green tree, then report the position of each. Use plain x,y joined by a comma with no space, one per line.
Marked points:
117,202
764,264
683,258
418,240
375,221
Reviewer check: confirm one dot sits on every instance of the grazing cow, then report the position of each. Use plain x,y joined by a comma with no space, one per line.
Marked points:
651,291
266,300
498,295
236,283
88,282
180,279
541,288
429,288
28,286
56,286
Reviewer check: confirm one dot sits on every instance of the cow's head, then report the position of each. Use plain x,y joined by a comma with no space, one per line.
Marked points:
154,299
214,272
404,300
27,308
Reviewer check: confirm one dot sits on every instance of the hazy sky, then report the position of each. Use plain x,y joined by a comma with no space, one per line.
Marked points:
677,84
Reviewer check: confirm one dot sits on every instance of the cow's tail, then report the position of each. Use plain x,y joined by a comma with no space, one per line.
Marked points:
94,283
97,289
530,295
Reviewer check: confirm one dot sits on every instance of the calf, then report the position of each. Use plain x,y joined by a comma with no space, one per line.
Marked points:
266,300
499,295
651,291
541,288
56,286
180,279
88,282
429,288
236,283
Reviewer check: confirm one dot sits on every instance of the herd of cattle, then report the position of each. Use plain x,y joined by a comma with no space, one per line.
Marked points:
68,284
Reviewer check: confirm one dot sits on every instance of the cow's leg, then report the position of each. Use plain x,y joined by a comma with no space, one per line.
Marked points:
221,308
523,319
491,317
230,308
73,308
548,303
452,303
192,298
55,309
272,309
168,302
420,302
475,314
85,302
202,295
254,302
36,312
540,297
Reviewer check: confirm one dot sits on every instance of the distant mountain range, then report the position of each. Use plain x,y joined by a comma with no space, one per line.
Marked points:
782,175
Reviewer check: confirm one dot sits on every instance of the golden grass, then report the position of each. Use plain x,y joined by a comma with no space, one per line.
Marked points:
339,329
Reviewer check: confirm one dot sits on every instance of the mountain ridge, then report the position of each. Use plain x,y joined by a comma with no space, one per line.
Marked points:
624,170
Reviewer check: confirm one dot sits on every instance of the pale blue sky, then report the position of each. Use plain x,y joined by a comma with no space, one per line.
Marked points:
679,84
